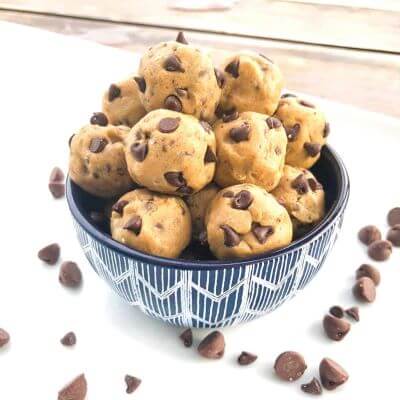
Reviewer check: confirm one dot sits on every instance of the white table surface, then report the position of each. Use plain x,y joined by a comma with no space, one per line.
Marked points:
49,87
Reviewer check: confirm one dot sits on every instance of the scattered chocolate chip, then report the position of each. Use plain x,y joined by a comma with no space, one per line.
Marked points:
286,95
380,250
181,92
50,254
332,374
313,387
119,206
246,358
56,175
69,339
300,184
219,76
233,68
4,337
273,123
181,38
335,328
228,194
327,130
314,184
187,337
113,92
75,390
393,216
206,126
306,104
57,189
312,149
242,200
212,346
97,144
337,311
175,179
134,224
230,115
231,238
370,272
168,125
354,313
210,157
394,235
292,132
70,274
132,383
240,133
369,234
290,366
261,232
140,81
365,290
99,118
173,64
173,103
139,151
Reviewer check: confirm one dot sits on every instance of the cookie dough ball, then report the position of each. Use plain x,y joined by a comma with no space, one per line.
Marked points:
306,129
198,204
179,77
302,196
245,220
170,152
252,83
153,223
121,103
97,160
251,148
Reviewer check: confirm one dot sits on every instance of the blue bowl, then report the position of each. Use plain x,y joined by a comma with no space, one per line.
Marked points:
205,293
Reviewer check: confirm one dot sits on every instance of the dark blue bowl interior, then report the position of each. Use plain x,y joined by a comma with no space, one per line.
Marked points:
329,170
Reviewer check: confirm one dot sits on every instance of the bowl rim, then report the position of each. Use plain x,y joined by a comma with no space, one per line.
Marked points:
107,241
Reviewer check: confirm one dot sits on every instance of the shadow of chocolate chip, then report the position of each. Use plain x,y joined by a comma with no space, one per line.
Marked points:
240,133
113,92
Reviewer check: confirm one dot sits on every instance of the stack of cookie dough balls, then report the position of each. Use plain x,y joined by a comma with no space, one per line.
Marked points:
190,153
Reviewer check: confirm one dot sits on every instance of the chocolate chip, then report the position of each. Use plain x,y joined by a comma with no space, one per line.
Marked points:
394,235
300,184
393,216
139,151
228,194
97,144
354,313
181,92
173,64
273,123
364,290
312,387
314,184
57,189
175,179
134,224
370,272
261,232
332,374
233,68
231,238
327,129
173,103
210,157
335,328
380,250
306,104
181,38
369,234
337,311
187,337
212,346
290,366
113,92
75,390
168,125
246,358
219,76
50,254
132,383
242,200
240,133
4,337
286,95
70,274
119,206
99,118
140,81
206,126
312,149
56,175
69,339
292,132
230,115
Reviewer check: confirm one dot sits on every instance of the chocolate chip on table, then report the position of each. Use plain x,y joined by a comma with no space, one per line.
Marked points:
70,274
246,358
335,328
168,125
240,133
50,254
292,132
370,272
332,374
181,38
305,103
212,346
113,92
365,290
394,235
132,383
97,144
219,76
242,200
134,224
369,234
56,175
139,151
261,232
75,390
228,194
175,179
4,337
233,68
336,311
327,130
99,118
230,116
290,366
231,238
380,250
68,339
210,156
206,126
119,206
140,81
173,64
300,184
353,312
273,122
312,387
57,189
173,103
187,337
393,216
312,149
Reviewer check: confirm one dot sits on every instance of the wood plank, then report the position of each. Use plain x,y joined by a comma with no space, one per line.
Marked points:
333,25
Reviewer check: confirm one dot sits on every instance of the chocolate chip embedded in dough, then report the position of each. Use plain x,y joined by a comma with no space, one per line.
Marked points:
261,232
219,76
273,123
240,133
312,149
228,194
97,144
210,157
286,95
134,224
139,151
175,179
173,103
233,68
231,238
181,38
181,92
113,92
173,64
185,190
119,206
140,81
242,200
300,184
314,184
99,118
292,132
168,125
